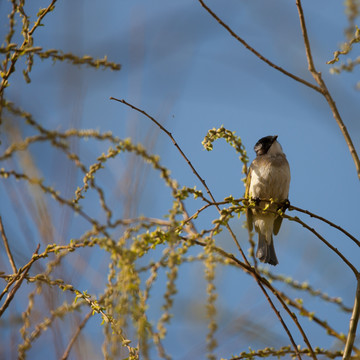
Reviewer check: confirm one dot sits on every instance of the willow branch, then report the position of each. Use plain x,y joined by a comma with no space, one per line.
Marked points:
168,133
15,56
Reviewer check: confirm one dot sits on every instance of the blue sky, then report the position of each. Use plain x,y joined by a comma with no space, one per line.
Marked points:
183,68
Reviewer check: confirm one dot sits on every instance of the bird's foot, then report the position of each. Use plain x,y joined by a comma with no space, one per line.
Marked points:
284,205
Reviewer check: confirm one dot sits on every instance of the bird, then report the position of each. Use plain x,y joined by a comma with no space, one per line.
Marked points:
268,178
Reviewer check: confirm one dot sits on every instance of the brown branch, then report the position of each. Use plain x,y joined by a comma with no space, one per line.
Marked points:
324,91
7,247
282,297
311,214
250,270
298,220
256,53
306,226
353,324
186,159
346,261
18,283
321,88
76,335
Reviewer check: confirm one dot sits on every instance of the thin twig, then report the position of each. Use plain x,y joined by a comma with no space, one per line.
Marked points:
7,247
353,324
76,335
346,261
283,298
279,295
298,220
186,159
321,88
18,283
255,52
324,91
311,214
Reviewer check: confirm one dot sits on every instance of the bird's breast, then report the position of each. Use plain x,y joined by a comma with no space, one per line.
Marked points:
270,178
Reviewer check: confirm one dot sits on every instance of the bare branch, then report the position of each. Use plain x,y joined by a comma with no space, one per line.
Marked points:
256,53
7,247
18,283
76,335
324,91
353,324
326,221
280,296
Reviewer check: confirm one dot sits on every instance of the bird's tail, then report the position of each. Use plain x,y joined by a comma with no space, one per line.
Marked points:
266,251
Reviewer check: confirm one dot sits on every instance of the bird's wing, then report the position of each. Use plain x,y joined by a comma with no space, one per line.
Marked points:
277,224
249,214
278,221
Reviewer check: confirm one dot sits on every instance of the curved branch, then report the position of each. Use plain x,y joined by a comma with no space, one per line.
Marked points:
16,287
280,296
256,53
353,324
7,247
311,214
324,90
76,335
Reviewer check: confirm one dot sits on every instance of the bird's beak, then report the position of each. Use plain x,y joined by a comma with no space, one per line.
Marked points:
274,138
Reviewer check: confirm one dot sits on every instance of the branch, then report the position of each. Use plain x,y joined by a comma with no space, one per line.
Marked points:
27,40
61,56
311,214
188,162
76,335
18,283
284,300
321,88
324,91
7,247
256,53
353,324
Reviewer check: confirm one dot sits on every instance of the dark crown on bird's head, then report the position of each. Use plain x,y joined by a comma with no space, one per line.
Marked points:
264,144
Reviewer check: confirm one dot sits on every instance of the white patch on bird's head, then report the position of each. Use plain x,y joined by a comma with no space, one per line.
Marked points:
275,149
